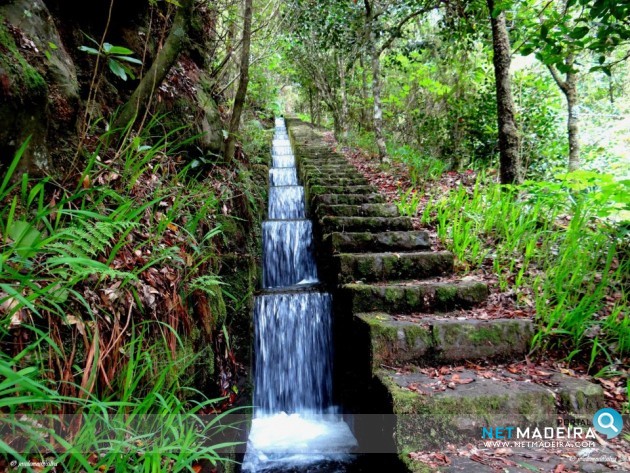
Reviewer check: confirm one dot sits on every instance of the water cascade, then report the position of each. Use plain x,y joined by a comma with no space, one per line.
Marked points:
295,422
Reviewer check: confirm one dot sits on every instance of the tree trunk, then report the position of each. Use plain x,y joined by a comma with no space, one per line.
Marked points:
344,100
364,112
375,55
376,94
510,166
310,105
165,59
571,94
239,99
573,122
569,89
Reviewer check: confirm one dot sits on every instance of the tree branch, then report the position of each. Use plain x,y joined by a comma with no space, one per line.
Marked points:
396,31
556,76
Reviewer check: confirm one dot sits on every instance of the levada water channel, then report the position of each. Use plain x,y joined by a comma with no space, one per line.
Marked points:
296,426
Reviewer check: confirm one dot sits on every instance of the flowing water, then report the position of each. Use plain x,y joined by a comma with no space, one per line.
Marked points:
295,422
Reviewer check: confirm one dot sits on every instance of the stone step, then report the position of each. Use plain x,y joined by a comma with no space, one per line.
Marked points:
328,172
322,163
407,298
318,166
336,181
433,411
307,174
331,189
362,210
522,459
331,224
397,341
389,266
347,199
348,242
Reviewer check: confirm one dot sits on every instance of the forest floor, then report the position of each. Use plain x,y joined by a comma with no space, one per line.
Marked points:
392,180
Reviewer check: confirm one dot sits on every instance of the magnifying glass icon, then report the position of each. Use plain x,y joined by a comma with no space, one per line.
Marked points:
610,424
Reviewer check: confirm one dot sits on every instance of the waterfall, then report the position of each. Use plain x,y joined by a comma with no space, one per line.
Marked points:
288,253
297,377
295,422
283,177
286,202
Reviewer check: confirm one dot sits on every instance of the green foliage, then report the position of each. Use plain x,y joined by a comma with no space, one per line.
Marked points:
116,57
421,168
548,236
257,141
146,428
79,271
408,203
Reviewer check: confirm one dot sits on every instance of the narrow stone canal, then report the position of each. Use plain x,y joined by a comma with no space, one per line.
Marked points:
295,423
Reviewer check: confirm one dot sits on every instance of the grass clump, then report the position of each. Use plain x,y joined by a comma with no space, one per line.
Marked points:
559,246
104,284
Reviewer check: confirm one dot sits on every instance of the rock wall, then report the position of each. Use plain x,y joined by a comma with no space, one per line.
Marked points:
45,79
39,91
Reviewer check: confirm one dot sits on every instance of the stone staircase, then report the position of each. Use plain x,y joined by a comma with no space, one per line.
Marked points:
406,344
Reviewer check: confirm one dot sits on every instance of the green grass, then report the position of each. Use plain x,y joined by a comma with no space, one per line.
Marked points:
145,427
421,168
96,288
546,241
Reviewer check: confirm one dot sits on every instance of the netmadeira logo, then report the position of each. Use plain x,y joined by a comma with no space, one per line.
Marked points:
606,422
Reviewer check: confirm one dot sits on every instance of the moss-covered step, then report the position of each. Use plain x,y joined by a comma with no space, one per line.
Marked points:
357,242
431,341
306,176
331,224
392,266
326,172
361,210
318,167
331,189
336,181
453,408
425,296
347,199
324,162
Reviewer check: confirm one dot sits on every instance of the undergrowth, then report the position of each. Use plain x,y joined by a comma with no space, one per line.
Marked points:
553,244
97,286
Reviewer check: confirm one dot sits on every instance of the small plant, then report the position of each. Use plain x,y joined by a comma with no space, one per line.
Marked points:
116,57
408,202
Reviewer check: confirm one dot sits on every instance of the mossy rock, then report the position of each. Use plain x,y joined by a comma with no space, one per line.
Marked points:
347,199
393,342
577,395
430,341
23,105
336,181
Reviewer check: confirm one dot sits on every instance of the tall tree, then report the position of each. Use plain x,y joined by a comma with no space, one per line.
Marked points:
384,23
374,53
569,87
510,166
568,33
241,92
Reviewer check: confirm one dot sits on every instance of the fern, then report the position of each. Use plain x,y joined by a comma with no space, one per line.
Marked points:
207,284
91,238
73,250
